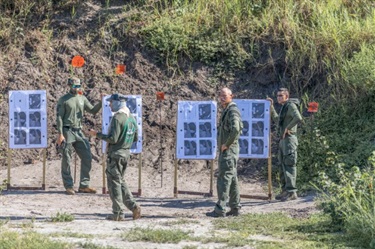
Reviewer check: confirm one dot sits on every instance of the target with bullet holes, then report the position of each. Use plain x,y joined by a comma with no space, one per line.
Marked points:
196,130
134,103
254,138
27,119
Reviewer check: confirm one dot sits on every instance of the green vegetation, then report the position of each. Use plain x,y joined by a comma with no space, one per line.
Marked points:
72,235
156,235
62,217
28,240
3,186
179,222
277,231
88,245
281,231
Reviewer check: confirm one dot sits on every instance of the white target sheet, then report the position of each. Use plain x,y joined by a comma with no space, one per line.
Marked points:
196,130
27,119
254,138
134,103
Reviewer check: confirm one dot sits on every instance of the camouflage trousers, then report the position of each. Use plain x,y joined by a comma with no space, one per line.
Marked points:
75,140
287,157
227,182
119,192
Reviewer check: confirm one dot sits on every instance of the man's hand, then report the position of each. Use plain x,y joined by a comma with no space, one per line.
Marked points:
224,147
92,132
269,99
286,132
60,139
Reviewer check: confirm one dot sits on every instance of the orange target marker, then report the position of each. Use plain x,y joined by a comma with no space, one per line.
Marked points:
78,61
159,95
313,107
120,69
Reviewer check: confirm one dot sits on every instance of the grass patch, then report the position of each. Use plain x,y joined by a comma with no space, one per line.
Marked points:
156,235
282,231
29,240
179,222
62,217
73,235
89,245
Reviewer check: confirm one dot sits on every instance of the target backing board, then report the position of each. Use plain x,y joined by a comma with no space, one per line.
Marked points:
196,130
134,103
27,119
254,138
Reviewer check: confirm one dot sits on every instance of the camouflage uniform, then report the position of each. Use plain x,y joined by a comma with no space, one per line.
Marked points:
288,118
123,131
70,109
227,182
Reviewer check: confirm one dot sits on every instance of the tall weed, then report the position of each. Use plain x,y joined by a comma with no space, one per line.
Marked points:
351,202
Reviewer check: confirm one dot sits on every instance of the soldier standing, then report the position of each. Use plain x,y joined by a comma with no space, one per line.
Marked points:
287,120
70,109
123,131
230,127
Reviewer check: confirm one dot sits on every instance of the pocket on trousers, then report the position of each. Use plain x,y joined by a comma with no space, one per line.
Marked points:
290,159
112,169
228,164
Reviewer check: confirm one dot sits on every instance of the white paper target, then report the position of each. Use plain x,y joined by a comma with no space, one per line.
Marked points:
134,103
196,130
254,139
27,119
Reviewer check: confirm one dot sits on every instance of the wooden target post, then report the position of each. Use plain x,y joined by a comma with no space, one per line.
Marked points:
9,185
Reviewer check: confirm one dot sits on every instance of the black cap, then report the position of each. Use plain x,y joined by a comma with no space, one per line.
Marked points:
118,97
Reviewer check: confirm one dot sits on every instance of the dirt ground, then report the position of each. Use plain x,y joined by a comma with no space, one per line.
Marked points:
159,206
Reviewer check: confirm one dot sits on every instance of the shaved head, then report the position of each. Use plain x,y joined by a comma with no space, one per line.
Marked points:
226,90
225,96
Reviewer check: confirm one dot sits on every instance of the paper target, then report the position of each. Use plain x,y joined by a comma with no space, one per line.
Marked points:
27,119
254,138
196,130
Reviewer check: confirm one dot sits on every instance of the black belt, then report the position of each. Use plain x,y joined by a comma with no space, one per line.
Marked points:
71,128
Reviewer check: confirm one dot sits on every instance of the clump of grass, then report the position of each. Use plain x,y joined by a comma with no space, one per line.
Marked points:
3,186
62,217
156,235
282,231
28,240
72,235
89,245
179,222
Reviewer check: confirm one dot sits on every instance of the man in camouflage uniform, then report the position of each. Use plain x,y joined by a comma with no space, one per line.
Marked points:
70,109
229,130
123,131
287,120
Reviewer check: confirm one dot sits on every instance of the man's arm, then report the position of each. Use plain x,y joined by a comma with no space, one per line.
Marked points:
274,115
60,111
234,128
90,108
113,136
293,110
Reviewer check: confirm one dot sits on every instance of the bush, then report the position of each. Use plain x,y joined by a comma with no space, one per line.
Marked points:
351,202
